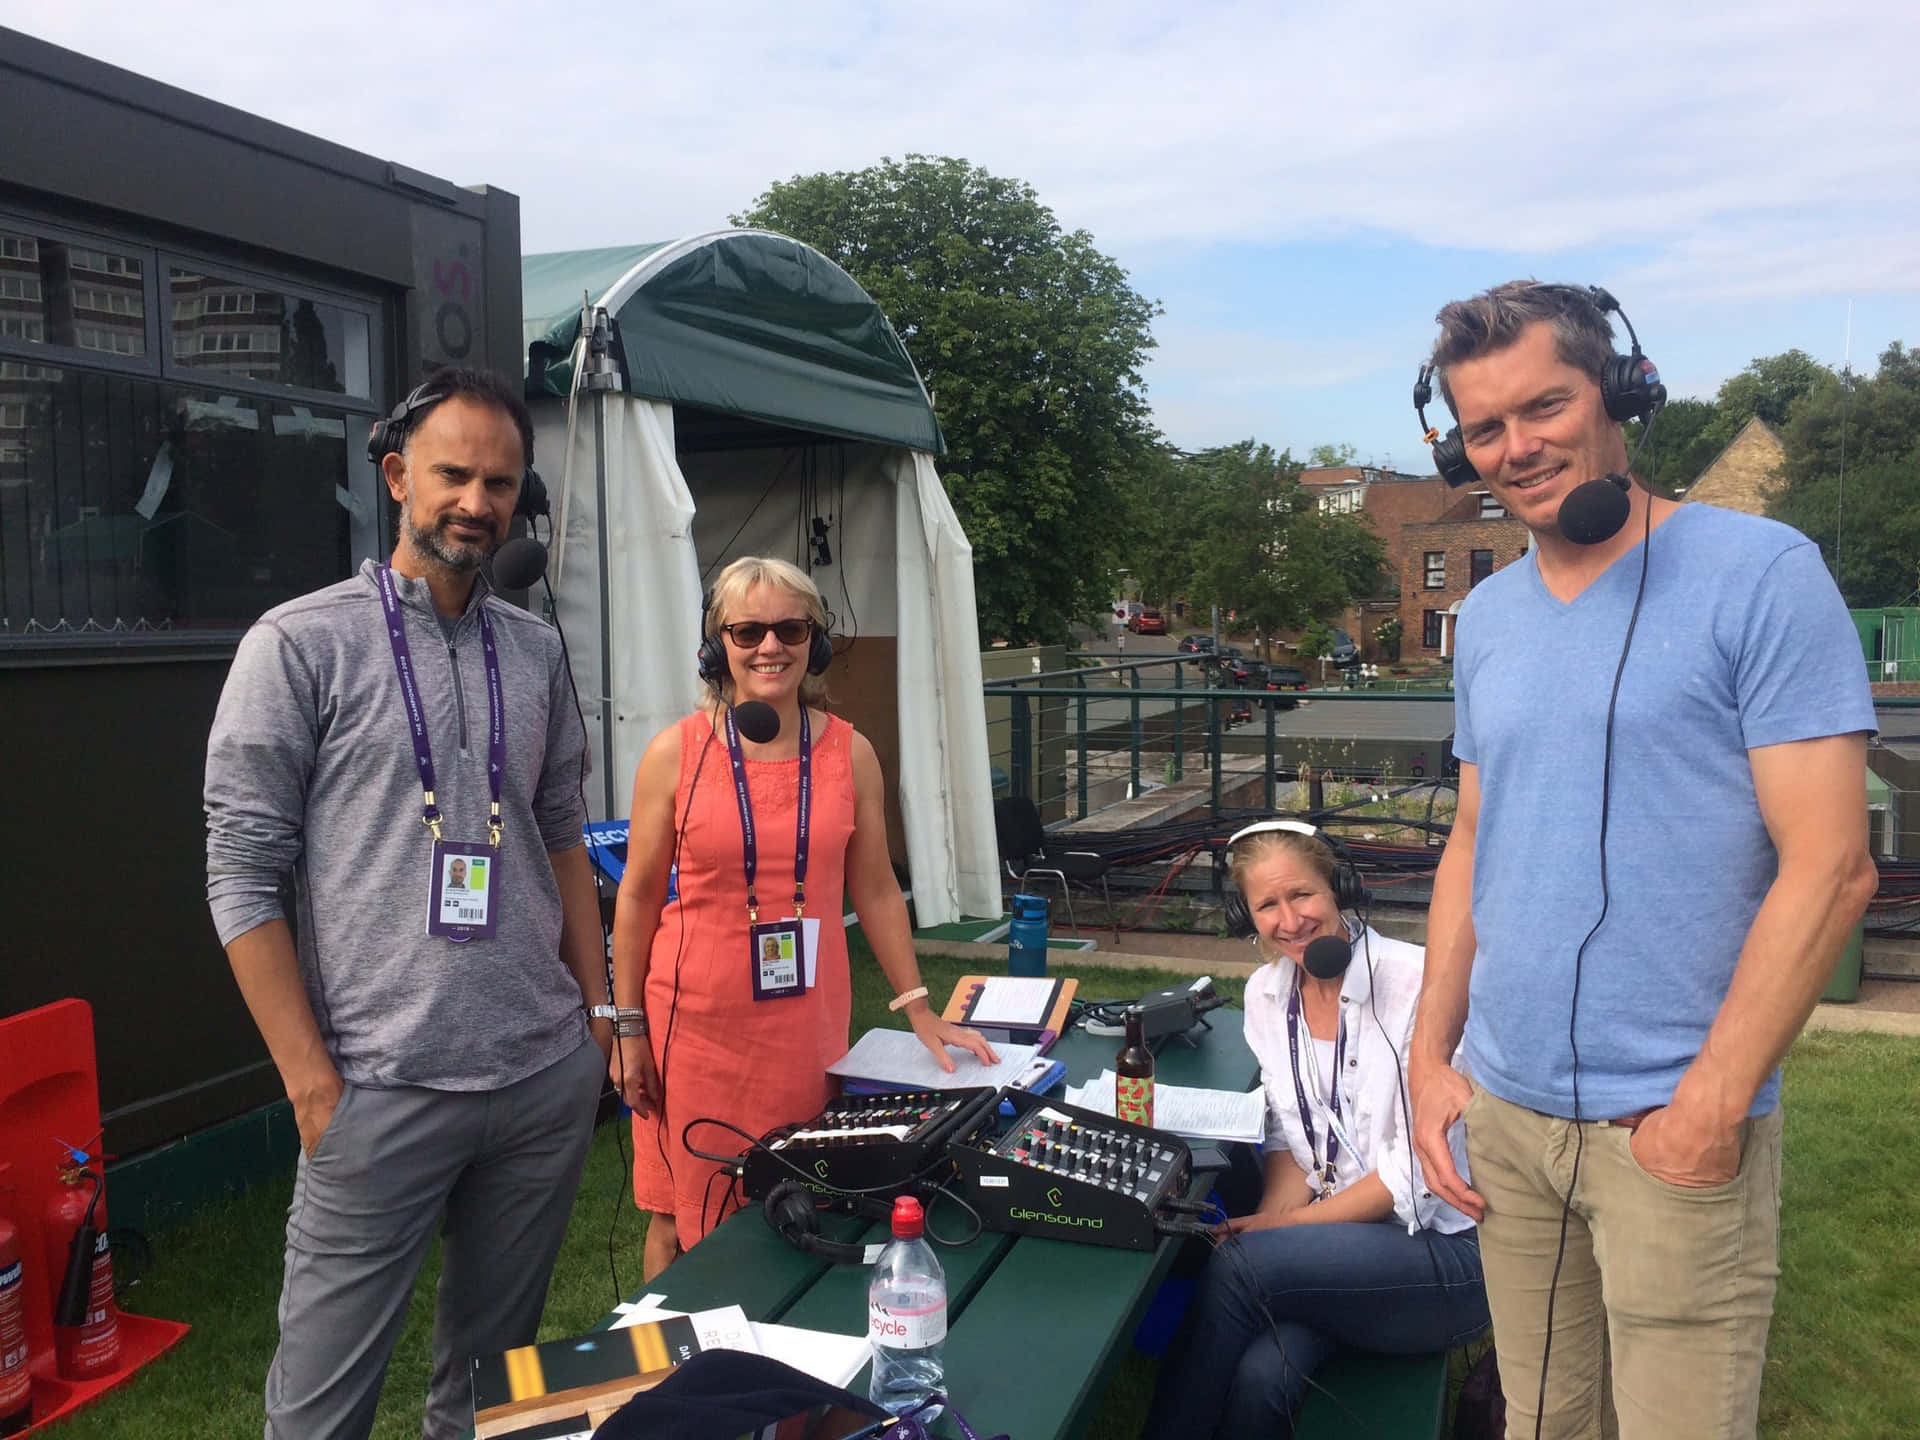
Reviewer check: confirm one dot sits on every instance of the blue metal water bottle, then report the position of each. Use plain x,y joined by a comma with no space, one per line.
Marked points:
1027,936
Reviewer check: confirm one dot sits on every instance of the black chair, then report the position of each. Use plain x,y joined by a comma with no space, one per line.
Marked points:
1024,852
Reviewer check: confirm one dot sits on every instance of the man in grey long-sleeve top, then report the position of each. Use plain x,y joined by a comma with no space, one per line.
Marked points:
429,1025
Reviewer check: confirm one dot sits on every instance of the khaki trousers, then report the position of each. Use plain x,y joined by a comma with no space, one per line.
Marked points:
1661,1311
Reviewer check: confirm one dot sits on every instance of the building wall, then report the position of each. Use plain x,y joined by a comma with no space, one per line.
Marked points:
1743,476
161,483
1389,502
1457,540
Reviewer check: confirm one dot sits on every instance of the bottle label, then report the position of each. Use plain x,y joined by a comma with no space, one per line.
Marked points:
901,1329
1133,1099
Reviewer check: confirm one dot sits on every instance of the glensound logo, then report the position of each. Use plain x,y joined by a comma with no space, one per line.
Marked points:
1047,1217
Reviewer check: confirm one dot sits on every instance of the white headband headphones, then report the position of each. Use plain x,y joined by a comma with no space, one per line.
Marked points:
1261,827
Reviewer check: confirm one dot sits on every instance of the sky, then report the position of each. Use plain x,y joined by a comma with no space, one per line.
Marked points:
1299,187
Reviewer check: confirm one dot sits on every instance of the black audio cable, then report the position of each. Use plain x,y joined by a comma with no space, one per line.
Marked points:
1606,902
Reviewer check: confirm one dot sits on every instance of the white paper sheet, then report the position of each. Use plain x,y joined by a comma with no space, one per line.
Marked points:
896,1057
1013,1000
1183,1110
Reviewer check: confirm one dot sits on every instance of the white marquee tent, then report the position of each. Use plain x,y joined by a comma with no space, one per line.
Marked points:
739,394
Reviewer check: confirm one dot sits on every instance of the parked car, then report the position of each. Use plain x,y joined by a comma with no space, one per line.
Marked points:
1148,622
1345,653
1280,679
1234,670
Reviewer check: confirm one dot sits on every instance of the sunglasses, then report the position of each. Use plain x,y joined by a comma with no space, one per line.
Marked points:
748,634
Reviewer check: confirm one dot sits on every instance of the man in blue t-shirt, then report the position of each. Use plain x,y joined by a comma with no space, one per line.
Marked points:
1625,1010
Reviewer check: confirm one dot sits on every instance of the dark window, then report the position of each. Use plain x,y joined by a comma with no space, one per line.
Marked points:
1490,508
128,504
1436,569
1430,629
77,297
224,326
1482,567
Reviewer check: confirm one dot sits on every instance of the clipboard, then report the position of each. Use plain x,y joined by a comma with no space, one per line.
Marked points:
972,995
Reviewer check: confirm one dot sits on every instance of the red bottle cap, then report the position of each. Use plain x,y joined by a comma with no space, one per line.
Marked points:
909,1221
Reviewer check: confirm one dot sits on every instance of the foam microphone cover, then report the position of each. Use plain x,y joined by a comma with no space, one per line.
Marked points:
757,721
1595,511
1327,958
519,564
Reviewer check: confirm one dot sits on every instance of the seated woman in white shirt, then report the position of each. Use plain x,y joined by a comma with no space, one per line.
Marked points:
1347,1247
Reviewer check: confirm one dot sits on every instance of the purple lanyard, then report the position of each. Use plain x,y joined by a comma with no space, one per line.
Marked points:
417,714
752,848
1300,1090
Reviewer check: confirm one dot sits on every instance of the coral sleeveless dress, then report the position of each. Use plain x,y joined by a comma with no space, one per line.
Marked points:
722,1054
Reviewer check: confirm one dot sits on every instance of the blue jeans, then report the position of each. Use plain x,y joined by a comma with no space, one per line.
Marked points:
1275,1303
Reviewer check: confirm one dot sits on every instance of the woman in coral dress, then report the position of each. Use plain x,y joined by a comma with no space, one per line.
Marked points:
735,1029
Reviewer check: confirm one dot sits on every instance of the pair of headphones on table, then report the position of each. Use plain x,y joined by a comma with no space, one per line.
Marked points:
1630,389
712,654
1349,890
789,1210
389,436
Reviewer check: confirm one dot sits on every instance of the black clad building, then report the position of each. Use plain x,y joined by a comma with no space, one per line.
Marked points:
201,312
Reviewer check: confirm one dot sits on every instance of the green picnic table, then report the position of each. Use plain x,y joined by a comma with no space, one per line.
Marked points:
1036,1327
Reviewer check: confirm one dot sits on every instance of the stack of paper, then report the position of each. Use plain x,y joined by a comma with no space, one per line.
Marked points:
896,1057
836,1359
1195,1114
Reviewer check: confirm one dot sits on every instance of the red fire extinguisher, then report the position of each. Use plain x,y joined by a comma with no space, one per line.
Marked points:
16,1377
86,1330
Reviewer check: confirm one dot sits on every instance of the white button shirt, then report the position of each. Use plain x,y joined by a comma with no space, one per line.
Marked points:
1373,998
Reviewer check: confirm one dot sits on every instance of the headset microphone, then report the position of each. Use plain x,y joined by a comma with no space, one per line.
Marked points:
519,564
1595,511
1327,958
757,721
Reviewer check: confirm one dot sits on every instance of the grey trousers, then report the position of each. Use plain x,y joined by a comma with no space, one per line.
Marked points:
501,1167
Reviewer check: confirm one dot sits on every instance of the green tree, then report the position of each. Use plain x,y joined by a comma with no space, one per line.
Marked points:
1263,546
1316,640
1680,448
1163,527
1852,477
1331,457
1031,343
1690,434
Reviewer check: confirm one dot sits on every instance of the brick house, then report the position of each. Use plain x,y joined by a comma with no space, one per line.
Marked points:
1440,562
1391,501
1744,475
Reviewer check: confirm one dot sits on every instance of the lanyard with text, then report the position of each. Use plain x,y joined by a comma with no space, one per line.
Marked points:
1324,1167
417,715
752,848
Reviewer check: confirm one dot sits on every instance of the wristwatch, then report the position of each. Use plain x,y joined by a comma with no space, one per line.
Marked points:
628,1023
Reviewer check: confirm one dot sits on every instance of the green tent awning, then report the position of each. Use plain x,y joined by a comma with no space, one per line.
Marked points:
742,322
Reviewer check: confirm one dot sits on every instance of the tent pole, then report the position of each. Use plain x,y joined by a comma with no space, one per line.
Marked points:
606,609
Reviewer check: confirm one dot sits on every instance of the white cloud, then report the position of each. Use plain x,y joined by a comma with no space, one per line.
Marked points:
1776,125
1760,150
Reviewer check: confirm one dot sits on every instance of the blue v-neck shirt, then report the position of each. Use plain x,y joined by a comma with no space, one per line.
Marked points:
1743,641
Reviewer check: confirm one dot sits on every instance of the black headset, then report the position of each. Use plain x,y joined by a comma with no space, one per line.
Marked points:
1349,890
789,1208
713,649
389,436
1630,389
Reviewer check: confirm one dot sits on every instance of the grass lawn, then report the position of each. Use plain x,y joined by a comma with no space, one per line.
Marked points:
1841,1359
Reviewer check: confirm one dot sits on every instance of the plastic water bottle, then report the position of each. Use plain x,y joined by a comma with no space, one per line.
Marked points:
1027,936
907,1316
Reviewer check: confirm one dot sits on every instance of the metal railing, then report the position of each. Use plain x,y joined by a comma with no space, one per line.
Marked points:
1080,740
